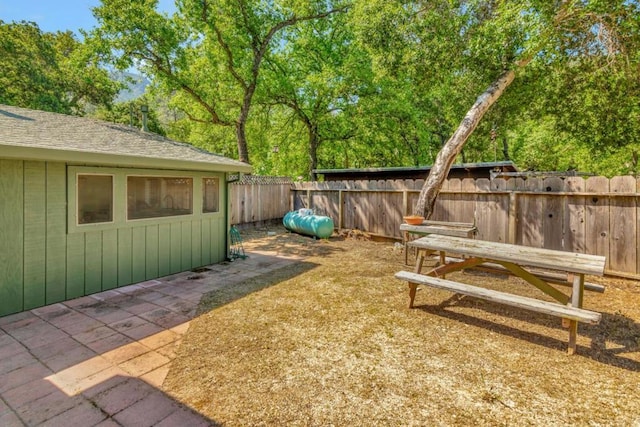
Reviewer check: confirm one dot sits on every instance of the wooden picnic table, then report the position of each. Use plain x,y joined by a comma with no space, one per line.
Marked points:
459,229
520,261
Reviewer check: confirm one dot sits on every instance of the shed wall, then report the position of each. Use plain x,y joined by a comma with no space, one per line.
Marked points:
40,263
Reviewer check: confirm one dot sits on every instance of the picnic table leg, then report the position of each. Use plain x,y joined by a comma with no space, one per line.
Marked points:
422,253
413,287
412,293
577,294
405,240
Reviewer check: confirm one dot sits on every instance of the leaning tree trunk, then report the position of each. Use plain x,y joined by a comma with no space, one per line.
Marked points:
447,155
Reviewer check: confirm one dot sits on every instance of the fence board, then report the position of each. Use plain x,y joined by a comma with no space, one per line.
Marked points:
552,226
623,223
531,211
467,200
597,218
574,218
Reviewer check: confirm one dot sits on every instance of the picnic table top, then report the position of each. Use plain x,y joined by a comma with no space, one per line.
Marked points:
516,254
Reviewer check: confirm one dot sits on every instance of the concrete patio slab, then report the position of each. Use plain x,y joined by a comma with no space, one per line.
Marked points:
101,360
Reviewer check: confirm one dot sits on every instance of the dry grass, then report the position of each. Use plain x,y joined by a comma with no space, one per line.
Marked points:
331,342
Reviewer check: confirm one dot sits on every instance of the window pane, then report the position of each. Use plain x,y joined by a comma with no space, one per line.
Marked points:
95,199
153,197
210,194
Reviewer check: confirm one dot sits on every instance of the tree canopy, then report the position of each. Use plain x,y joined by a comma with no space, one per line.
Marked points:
50,71
293,85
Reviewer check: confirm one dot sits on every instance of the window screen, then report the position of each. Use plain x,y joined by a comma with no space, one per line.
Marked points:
153,197
210,195
95,199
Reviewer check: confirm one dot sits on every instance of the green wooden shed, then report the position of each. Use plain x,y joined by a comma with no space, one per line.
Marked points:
87,205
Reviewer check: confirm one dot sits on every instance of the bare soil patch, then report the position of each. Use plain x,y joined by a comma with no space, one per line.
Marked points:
332,342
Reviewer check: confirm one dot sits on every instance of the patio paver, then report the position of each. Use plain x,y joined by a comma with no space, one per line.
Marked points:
101,360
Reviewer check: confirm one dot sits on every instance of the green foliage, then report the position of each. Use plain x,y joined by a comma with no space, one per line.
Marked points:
130,113
49,71
386,82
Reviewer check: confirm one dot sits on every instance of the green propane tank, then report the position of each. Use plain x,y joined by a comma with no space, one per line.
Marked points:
303,221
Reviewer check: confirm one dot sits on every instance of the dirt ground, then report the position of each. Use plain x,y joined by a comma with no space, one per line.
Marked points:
332,342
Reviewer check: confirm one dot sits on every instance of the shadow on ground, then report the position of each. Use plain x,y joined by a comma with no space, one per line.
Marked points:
616,329
226,295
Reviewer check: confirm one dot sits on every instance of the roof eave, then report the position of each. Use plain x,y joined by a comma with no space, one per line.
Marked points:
105,159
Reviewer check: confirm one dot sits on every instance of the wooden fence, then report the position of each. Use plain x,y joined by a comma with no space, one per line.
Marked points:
595,215
259,199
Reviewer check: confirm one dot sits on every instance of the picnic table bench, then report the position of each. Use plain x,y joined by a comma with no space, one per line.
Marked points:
516,260
459,229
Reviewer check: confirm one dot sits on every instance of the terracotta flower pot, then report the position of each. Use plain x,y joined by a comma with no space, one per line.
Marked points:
413,219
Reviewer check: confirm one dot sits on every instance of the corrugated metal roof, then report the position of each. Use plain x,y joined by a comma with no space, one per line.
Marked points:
42,135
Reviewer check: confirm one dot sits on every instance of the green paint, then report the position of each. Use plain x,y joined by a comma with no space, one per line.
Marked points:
93,262
218,240
45,257
185,250
138,255
196,244
176,247
75,265
151,259
124,257
34,234
164,249
11,236
56,244
109,259
206,242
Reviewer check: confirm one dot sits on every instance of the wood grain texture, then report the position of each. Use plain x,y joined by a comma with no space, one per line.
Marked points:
623,223
521,255
551,308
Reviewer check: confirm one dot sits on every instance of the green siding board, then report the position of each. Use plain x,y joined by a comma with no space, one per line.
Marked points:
56,231
93,262
124,257
186,246
138,255
11,236
152,252
34,234
75,265
109,259
217,239
196,244
164,249
206,242
176,247
215,246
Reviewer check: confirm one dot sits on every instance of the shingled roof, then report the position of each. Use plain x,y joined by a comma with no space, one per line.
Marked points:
39,135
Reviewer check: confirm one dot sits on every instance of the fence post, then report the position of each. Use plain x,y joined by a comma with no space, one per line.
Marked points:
513,213
405,202
340,210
